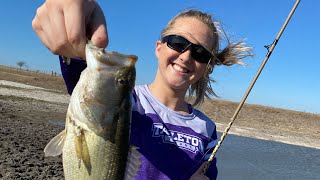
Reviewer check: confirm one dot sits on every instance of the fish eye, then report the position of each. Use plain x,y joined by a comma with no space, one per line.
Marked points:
121,81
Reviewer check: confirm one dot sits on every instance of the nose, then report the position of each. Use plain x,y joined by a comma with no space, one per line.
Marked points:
186,56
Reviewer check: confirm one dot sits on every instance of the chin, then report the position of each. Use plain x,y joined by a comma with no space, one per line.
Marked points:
183,85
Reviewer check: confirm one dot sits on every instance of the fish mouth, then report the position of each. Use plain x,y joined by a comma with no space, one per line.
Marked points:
94,49
110,58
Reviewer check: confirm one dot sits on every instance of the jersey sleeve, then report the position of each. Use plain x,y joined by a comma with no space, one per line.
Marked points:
71,71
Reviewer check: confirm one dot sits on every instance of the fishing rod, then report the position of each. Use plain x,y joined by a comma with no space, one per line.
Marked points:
270,49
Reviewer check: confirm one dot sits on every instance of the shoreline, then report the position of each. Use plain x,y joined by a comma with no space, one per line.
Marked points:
271,136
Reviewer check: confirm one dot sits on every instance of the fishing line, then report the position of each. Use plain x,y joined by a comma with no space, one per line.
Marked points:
270,49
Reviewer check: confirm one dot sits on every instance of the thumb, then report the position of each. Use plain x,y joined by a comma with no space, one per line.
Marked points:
201,168
98,28
199,174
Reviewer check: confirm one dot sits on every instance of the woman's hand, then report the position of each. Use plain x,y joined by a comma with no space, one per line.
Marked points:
198,175
64,26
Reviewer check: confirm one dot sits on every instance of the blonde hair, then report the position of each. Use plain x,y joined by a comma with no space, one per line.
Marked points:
230,55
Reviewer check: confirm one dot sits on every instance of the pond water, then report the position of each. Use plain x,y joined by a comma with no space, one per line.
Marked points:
251,159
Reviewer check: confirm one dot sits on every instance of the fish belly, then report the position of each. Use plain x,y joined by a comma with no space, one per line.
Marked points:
100,159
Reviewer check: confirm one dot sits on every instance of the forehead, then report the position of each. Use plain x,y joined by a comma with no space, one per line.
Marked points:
194,30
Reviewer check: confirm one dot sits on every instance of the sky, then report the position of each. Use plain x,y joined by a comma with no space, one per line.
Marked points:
290,79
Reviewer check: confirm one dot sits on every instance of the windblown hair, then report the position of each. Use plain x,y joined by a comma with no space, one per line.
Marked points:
229,55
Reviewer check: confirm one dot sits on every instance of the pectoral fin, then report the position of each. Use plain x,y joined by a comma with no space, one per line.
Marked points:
55,146
82,151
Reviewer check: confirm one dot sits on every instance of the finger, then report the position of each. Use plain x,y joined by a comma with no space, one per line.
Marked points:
61,44
75,27
35,22
98,28
42,36
38,26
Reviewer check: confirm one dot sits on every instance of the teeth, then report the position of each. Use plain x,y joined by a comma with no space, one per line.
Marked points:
178,68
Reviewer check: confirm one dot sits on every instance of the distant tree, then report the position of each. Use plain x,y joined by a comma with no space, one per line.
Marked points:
21,63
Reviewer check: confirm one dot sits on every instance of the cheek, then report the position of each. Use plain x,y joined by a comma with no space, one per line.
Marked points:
166,57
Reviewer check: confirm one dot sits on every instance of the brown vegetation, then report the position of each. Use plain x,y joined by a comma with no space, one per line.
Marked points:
48,81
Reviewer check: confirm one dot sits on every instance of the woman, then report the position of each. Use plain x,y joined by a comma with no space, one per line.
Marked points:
174,138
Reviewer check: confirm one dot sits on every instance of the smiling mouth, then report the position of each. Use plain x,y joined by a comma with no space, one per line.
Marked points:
180,69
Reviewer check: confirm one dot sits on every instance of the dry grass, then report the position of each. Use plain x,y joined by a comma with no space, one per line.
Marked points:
266,119
33,78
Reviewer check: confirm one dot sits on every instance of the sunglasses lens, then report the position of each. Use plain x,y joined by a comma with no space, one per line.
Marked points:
200,54
179,44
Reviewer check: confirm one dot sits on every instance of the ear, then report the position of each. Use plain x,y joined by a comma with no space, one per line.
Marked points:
158,48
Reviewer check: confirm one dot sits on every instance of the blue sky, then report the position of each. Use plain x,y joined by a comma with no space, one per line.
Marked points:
290,79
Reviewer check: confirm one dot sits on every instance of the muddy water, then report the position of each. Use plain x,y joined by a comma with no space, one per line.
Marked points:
251,159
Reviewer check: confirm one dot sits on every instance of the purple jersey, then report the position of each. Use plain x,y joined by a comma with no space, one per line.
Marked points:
173,145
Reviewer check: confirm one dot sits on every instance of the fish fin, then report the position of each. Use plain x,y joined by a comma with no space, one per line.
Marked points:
133,163
55,146
82,151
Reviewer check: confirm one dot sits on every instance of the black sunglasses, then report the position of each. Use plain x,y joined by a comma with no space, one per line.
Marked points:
181,44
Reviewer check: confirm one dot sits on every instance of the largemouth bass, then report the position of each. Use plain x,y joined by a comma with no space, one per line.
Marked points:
95,142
